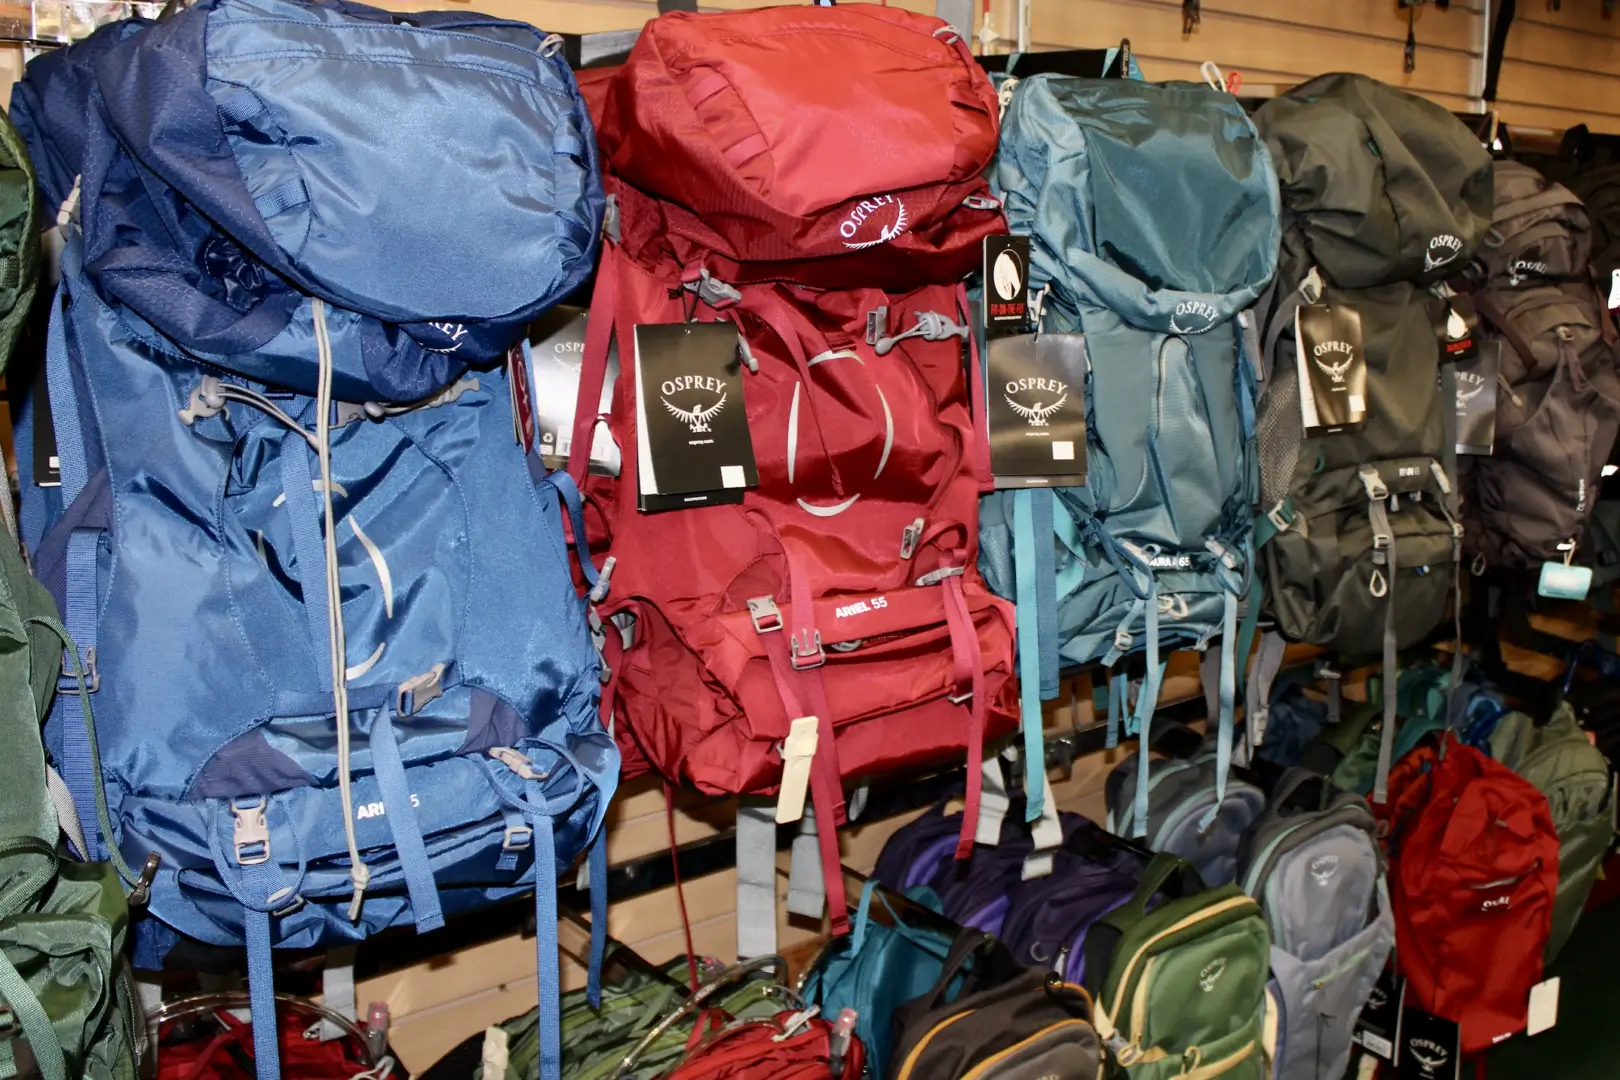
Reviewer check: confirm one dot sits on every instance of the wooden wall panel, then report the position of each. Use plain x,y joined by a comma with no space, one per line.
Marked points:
1563,65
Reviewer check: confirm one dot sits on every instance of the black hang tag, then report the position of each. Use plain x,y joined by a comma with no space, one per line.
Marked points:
1476,399
691,413
1430,1047
1036,400
1332,369
1006,285
47,466
1378,1028
556,352
1457,327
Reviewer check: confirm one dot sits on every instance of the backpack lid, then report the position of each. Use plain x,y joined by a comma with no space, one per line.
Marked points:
1385,185
252,111
1156,201
826,146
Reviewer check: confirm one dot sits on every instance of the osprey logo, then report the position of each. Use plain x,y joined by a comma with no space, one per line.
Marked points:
1442,249
452,330
1519,269
1211,974
867,215
1580,496
1377,998
1335,370
1170,562
1496,903
376,809
1469,386
1430,1055
1324,867
697,417
1008,276
1182,322
1039,413
834,509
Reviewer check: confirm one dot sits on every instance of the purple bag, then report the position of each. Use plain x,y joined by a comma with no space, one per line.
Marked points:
1046,924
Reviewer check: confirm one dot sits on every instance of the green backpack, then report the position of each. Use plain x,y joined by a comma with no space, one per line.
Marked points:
1563,764
1180,990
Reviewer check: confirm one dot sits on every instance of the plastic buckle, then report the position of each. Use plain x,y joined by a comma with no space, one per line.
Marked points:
415,692
517,762
517,838
910,537
959,699
1122,640
92,674
764,614
1377,490
877,324
1440,477
812,654
251,831
1276,516
934,577
712,291
281,913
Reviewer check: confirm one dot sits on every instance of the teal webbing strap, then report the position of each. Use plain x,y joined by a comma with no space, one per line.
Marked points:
1041,507
1228,695
1146,702
1117,687
1029,650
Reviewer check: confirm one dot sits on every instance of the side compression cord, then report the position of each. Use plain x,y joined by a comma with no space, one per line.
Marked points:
359,873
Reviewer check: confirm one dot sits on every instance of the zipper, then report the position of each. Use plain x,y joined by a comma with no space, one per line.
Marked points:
983,1068
1106,1020
1343,969
1188,807
906,1066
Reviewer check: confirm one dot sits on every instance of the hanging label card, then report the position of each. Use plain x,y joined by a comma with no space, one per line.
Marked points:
1458,328
47,465
1378,1028
1476,399
556,353
1035,396
1332,369
1006,285
1430,1047
695,448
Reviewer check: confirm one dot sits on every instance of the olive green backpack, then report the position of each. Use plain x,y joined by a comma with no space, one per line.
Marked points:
1563,764
1180,990
66,1006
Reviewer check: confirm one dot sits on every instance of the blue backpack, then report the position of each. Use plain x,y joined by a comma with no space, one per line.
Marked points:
246,543
1152,216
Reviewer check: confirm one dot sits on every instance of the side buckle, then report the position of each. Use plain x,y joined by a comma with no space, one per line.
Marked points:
92,673
910,537
764,614
1277,516
806,652
934,577
251,833
415,692
1373,484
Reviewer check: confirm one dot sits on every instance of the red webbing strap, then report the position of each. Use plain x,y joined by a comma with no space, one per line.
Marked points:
680,893
966,652
979,449
593,367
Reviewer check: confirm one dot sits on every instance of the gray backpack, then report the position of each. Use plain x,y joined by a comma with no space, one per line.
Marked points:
1558,409
1563,764
1314,865
1188,814
1384,195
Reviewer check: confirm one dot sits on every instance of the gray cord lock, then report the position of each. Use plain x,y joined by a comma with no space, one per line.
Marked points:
931,326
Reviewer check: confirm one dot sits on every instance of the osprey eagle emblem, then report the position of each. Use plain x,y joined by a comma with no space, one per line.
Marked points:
1038,414
697,417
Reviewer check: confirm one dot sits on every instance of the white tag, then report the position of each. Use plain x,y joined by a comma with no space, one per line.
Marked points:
1614,291
1063,450
993,803
733,476
1047,834
1543,1006
1307,393
1357,403
495,1053
1367,1067
798,751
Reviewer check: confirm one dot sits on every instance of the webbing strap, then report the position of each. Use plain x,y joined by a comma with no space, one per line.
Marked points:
337,989
1028,588
297,484
281,198
257,881
1385,560
593,366
756,878
1118,687
969,660
1228,695
1262,675
563,484
807,884
67,812
1146,702
599,916
978,451
546,963
1041,512
993,801
403,823
35,1022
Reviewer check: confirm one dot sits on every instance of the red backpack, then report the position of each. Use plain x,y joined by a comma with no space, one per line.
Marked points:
1473,873
751,155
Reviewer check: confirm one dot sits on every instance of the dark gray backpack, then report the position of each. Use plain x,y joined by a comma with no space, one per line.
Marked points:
1313,863
1558,409
1384,194
1189,813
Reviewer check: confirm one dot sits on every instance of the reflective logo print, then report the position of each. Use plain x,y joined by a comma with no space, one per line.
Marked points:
833,509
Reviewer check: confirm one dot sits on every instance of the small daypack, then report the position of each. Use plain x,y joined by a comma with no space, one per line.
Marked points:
876,968
1558,409
1359,538
845,585
1048,920
1180,989
1191,816
1005,1022
1564,765
1473,873
1151,554
1312,861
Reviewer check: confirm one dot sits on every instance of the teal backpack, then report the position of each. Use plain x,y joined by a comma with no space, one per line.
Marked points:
1152,213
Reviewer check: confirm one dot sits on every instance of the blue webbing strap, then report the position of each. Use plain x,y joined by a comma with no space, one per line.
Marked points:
298,485
546,965
598,870
1025,541
81,595
403,823
261,977
1146,702
1118,687
1041,507
563,484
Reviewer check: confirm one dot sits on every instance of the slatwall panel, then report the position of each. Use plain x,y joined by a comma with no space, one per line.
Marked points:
1562,67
